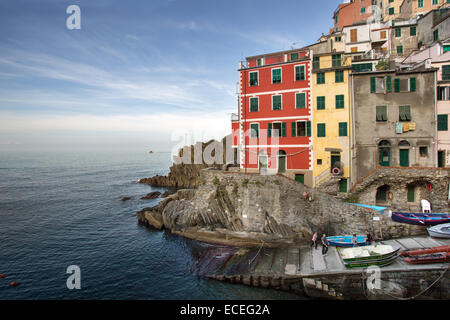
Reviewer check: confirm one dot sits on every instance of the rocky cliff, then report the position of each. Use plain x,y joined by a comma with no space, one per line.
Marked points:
248,209
185,172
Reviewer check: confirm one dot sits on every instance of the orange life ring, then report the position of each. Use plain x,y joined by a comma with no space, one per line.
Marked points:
336,171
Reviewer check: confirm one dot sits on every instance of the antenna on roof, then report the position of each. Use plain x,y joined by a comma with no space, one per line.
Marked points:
294,44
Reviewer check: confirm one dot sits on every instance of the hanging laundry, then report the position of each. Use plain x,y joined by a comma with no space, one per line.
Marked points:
405,127
412,126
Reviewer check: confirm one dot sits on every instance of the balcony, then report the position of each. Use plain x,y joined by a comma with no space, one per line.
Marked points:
234,117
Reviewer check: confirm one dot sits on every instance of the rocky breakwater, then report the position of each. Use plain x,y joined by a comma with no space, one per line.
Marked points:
185,172
248,209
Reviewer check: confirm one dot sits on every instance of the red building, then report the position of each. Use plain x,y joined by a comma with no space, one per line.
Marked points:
351,12
272,130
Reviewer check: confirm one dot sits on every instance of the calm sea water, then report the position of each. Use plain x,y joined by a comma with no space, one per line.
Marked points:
64,208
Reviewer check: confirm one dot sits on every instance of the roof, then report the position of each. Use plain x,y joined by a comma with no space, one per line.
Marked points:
276,53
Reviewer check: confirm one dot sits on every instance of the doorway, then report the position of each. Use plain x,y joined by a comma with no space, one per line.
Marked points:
281,161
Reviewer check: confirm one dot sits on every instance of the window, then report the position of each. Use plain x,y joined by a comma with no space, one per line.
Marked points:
321,130
446,48
423,151
354,35
391,11
446,72
402,85
339,76
277,129
276,75
254,104
320,78
382,34
404,113
377,84
336,60
442,122
436,35
398,32
319,162
399,49
294,56
435,2
342,129
362,67
254,130
443,93
340,101
363,10
419,3
320,103
381,113
300,100
338,39
343,185
316,63
412,31
276,102
299,129
299,73
253,79
410,194
259,62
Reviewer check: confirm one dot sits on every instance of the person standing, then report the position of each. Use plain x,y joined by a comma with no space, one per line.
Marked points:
324,244
354,240
369,238
314,240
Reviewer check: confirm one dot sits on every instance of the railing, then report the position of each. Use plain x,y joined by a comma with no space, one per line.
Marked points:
234,117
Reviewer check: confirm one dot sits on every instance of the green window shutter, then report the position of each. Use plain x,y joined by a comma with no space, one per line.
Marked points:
316,63
320,78
399,49
294,56
340,103
321,131
308,128
276,75
300,100
254,105
381,113
294,128
398,32
276,102
254,130
342,129
446,72
253,78
373,84
299,73
283,129
420,3
336,60
388,84
442,122
339,76
320,103
343,185
269,130
397,85
410,194
404,113
412,84
391,11
412,31
436,35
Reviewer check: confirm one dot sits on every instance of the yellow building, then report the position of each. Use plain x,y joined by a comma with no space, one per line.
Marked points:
332,125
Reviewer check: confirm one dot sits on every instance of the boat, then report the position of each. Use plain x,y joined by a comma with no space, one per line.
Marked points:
408,253
440,231
422,219
149,151
346,241
373,255
440,257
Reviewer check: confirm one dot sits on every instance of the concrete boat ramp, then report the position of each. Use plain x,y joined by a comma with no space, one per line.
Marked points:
306,271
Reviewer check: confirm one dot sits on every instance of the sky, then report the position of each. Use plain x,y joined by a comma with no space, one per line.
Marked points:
139,73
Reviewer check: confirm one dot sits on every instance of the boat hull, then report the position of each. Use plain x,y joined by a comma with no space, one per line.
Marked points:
368,263
440,231
422,219
372,258
429,258
409,253
346,241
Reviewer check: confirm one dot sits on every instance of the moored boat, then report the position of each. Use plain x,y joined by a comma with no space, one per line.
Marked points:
440,257
374,255
423,219
346,241
408,253
440,231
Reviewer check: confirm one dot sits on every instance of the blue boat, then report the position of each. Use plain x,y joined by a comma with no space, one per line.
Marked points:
421,219
346,241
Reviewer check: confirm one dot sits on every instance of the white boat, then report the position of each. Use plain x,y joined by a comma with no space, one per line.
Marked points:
440,231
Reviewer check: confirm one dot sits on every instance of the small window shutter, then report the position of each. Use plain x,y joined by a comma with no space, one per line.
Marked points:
270,130
283,129
308,128
412,84
373,85
389,84
397,85
294,128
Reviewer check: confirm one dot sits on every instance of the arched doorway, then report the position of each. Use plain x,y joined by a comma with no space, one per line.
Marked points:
384,151
382,194
404,153
281,161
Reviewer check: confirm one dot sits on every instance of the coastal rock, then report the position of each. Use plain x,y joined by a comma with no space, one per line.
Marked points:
126,198
152,195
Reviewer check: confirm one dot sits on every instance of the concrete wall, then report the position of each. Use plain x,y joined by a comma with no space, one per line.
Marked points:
406,40
369,132
430,22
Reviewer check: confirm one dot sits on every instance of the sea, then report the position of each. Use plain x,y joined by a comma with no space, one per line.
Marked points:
62,208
